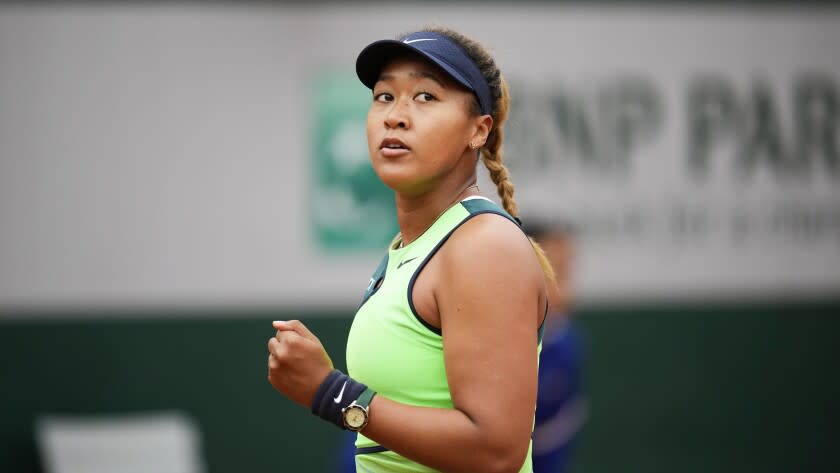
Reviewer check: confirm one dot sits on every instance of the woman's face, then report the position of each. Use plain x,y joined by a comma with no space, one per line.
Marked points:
419,126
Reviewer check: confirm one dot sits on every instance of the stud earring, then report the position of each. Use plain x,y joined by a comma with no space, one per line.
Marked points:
474,145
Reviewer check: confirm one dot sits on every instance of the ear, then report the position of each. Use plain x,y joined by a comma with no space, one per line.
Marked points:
483,126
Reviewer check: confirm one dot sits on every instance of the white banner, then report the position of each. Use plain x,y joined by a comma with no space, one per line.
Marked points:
713,180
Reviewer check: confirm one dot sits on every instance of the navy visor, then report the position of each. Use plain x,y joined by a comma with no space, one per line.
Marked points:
437,48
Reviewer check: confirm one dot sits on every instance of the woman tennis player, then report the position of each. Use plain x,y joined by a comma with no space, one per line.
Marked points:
442,353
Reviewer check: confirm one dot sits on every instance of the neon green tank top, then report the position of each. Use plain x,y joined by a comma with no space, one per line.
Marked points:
392,349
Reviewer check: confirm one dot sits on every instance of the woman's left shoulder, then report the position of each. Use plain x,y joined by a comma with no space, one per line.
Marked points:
491,241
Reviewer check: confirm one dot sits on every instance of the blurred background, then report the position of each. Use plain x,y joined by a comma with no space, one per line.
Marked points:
173,177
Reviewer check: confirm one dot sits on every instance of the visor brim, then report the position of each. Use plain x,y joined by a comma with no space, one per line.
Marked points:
377,55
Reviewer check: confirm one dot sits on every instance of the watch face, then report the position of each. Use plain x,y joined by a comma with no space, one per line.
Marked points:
355,417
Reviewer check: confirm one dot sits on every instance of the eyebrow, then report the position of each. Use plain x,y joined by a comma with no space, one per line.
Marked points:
419,74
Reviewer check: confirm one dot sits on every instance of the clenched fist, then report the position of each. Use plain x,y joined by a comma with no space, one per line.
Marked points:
297,362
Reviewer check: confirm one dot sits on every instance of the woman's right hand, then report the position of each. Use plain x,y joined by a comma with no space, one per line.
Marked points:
297,362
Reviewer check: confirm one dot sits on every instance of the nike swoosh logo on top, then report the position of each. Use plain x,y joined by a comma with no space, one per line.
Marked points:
406,261
409,41
337,399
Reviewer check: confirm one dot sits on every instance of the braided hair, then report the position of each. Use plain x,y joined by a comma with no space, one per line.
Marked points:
492,153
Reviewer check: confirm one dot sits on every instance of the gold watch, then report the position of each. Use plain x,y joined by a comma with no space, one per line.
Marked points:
357,414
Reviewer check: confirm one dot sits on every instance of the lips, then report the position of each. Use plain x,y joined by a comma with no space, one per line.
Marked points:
393,147
393,143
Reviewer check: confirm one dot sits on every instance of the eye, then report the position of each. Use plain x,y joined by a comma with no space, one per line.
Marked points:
424,97
383,97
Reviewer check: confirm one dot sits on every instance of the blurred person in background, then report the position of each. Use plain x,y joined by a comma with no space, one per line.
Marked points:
561,406
442,353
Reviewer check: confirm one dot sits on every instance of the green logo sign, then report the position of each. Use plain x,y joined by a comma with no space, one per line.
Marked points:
352,209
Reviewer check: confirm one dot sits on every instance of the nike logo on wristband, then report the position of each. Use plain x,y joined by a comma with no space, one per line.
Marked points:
337,399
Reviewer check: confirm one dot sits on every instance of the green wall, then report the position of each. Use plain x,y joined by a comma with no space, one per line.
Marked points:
723,388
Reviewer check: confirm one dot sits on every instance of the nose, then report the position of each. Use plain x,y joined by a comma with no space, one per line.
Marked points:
397,116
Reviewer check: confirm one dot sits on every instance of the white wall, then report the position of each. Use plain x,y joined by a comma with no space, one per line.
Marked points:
158,155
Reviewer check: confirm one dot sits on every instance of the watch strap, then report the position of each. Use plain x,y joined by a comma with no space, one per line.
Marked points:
365,398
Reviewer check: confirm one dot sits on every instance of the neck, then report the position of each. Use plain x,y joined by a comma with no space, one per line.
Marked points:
415,214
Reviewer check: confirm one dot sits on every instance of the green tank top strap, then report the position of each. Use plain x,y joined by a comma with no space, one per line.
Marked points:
375,280
481,205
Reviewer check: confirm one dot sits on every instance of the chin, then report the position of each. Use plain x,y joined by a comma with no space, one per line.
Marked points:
401,180
394,173
396,181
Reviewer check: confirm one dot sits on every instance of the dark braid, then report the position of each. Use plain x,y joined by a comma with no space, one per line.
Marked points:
491,152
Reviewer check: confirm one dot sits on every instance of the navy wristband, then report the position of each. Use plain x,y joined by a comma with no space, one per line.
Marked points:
335,393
